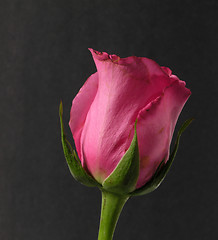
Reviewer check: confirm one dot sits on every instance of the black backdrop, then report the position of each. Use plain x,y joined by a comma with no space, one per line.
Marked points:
44,58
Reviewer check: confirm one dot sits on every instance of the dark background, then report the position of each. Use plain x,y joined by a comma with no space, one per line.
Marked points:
44,58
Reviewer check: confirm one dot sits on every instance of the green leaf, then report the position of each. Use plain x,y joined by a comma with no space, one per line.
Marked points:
162,169
124,177
72,159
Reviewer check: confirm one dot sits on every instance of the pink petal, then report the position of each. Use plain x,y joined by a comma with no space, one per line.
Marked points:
80,107
155,126
125,87
167,71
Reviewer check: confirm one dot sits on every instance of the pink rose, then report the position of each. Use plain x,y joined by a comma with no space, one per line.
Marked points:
106,108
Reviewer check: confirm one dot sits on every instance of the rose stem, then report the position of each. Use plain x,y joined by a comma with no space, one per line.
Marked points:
111,207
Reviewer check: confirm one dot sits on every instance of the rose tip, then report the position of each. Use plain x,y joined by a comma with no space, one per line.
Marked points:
95,51
102,56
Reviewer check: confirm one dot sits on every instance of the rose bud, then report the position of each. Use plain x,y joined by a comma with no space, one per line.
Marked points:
122,121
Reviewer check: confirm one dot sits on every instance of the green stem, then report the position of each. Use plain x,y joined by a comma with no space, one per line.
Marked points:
111,207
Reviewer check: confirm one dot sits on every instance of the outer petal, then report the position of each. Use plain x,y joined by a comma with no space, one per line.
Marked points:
80,107
125,87
156,123
169,73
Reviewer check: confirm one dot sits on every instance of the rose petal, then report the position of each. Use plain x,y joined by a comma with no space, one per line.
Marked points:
80,107
167,71
155,126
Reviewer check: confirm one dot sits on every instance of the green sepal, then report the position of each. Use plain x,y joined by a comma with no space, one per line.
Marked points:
124,177
162,169
72,159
